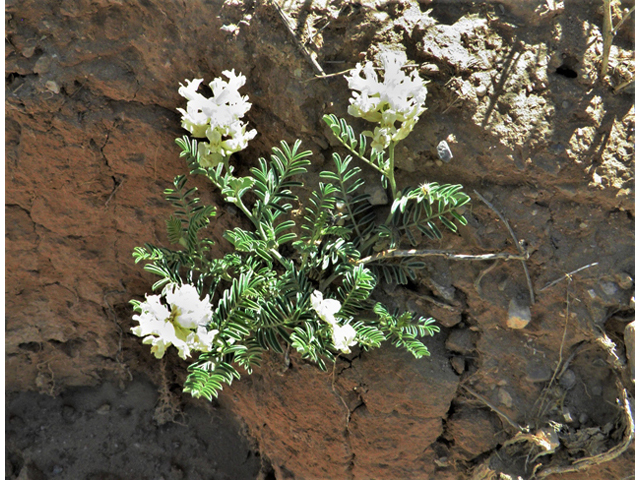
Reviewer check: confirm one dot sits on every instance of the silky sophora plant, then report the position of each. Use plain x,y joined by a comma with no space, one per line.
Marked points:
286,286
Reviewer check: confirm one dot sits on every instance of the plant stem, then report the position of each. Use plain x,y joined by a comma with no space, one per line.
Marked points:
246,211
327,281
390,174
607,34
260,231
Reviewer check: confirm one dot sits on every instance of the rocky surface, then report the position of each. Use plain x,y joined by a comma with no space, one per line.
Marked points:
91,98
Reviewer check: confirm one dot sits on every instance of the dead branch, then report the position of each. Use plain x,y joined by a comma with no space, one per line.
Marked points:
476,284
303,49
521,249
441,253
567,276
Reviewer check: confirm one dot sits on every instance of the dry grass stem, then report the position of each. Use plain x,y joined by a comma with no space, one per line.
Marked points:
494,408
521,249
567,276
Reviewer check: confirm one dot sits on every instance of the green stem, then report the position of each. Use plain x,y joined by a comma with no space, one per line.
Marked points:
391,178
260,230
364,159
327,281
246,211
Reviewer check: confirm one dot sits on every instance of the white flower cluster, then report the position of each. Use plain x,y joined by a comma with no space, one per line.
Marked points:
181,323
399,98
343,336
217,118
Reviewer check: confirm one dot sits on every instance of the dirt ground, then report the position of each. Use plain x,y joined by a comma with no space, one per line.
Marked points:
109,433
535,130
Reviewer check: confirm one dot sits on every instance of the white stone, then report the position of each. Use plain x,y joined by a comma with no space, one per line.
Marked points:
519,315
504,398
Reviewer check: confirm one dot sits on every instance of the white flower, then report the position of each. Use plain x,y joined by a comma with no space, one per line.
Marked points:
398,98
186,306
181,323
343,337
218,119
326,309
156,309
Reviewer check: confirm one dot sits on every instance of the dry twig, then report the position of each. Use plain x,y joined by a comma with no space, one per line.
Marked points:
521,249
115,189
440,253
545,392
495,409
608,32
301,46
567,276
476,284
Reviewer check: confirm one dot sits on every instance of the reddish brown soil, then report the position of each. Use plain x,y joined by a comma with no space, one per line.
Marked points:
91,98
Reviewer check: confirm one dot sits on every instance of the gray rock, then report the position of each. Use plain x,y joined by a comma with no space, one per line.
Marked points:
568,379
446,291
519,315
504,398
377,195
609,288
537,373
444,152
460,341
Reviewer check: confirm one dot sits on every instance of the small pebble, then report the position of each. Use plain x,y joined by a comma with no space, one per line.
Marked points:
504,398
444,152
481,91
584,418
568,379
458,364
609,288
429,68
52,86
538,373
519,315
104,409
596,390
377,195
